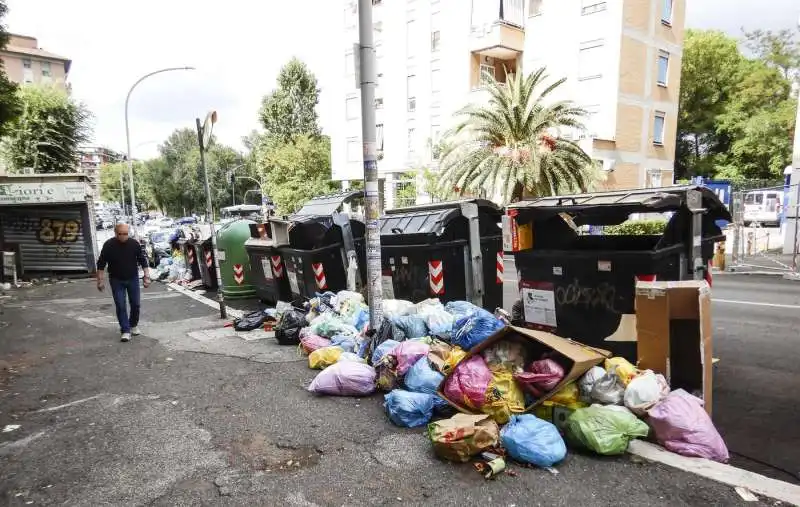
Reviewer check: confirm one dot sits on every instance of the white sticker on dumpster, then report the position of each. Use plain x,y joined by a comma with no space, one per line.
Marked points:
539,306
388,286
221,255
295,288
267,268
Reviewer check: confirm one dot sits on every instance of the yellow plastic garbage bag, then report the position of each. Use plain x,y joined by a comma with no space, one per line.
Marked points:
457,354
625,370
504,397
324,357
567,395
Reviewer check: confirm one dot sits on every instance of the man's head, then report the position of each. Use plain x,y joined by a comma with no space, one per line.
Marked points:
121,232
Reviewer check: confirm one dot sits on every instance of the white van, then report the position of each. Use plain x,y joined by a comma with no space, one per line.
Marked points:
763,207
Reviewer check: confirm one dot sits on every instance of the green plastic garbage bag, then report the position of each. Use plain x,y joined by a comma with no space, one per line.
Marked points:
604,430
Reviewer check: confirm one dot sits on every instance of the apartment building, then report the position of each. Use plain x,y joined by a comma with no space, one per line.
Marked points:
621,59
92,159
25,62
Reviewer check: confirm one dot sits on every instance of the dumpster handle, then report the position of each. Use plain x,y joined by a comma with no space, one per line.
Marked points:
561,201
397,230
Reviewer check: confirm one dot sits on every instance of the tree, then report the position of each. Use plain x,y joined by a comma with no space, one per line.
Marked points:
433,186
290,110
47,134
780,50
297,171
10,105
509,147
110,184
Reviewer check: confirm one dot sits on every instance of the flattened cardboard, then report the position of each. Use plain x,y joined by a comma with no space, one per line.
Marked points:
674,334
582,357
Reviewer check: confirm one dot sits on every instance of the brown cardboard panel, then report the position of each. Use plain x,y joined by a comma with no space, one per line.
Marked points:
707,349
652,325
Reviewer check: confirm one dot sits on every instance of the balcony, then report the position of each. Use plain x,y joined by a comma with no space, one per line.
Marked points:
498,28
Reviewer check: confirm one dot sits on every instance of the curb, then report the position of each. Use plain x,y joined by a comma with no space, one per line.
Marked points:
232,312
786,276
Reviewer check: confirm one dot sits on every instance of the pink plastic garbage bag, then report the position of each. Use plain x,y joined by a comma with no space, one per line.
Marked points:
542,376
312,342
682,426
407,353
468,383
347,378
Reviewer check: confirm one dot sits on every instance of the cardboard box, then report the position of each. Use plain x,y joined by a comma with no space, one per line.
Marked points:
575,357
673,327
516,237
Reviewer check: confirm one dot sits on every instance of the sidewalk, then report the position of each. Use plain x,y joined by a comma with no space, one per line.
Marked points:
192,414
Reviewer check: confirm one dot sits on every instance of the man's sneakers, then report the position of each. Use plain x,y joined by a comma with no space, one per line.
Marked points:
135,331
126,337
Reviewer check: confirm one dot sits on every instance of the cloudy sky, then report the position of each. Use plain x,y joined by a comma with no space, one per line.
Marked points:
237,47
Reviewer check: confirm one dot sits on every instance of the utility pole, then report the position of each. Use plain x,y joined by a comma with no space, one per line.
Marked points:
203,138
368,134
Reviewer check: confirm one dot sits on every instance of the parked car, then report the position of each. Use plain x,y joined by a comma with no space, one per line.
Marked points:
165,222
763,207
157,246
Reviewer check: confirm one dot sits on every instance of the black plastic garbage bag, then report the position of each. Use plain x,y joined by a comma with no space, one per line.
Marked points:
252,320
287,331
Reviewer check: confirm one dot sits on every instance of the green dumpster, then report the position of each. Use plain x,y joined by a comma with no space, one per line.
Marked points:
234,264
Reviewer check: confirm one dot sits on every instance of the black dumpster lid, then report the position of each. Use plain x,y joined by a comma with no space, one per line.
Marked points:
643,200
327,204
430,218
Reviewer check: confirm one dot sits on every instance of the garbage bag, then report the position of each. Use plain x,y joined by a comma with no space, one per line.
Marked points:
408,409
361,319
396,308
329,324
312,342
346,342
324,357
567,395
287,330
383,349
461,309
472,330
457,354
252,320
463,436
624,369
587,381
644,391
407,353
347,378
542,376
349,356
386,369
345,302
682,426
438,354
604,430
468,382
532,440
422,378
409,326
436,318
442,408
608,390
504,397
505,354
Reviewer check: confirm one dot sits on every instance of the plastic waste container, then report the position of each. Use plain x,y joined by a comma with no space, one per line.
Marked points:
582,286
234,266
319,245
266,265
204,255
451,251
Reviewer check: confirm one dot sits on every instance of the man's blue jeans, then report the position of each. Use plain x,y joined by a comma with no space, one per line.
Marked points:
119,288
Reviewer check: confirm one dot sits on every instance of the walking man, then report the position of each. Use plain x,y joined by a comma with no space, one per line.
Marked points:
123,256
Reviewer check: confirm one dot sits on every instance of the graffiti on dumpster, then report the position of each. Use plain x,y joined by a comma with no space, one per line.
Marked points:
600,296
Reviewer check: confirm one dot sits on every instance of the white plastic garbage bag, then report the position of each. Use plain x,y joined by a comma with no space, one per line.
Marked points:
397,308
645,391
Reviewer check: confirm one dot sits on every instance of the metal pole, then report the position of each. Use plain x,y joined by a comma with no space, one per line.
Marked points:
223,314
796,224
368,136
233,191
122,191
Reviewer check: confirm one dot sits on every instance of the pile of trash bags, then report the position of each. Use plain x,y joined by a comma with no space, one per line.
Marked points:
478,392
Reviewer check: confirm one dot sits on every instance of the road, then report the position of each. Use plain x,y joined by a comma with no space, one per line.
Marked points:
193,414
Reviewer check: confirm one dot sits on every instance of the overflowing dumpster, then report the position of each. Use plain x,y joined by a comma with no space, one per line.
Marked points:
266,265
451,251
203,255
582,286
234,265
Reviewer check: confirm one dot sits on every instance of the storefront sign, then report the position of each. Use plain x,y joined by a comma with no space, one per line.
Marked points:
35,193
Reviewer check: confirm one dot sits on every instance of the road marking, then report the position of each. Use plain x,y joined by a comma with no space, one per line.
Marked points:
65,405
719,472
232,312
753,303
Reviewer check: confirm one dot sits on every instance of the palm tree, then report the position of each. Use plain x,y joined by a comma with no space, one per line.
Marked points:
512,147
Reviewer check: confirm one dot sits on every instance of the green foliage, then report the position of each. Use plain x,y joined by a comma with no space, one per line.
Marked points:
47,134
110,184
637,228
406,194
290,110
433,185
10,104
780,50
297,171
506,148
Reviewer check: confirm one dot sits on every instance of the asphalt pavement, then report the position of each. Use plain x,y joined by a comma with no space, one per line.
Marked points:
194,414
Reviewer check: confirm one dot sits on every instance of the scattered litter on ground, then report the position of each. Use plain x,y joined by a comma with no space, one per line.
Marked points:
8,428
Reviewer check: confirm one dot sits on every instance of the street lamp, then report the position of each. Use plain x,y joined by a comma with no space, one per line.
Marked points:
232,176
128,132
260,189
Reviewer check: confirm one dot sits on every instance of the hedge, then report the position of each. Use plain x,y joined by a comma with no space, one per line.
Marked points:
637,228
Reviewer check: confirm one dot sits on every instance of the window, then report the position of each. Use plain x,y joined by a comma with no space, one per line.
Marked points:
658,128
46,69
663,67
436,85
352,108
378,102
26,63
377,2
535,7
411,93
590,59
410,26
354,150
592,6
653,178
666,12
487,74
350,15
436,134
411,140
435,40
349,64
379,137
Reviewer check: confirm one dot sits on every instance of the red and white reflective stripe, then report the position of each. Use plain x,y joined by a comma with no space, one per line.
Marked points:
500,268
319,275
277,266
436,276
190,254
709,276
238,273
645,278
209,259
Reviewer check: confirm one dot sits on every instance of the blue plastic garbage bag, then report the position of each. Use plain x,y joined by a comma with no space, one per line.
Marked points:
461,309
532,440
441,407
360,319
470,331
383,349
410,326
346,342
422,378
407,409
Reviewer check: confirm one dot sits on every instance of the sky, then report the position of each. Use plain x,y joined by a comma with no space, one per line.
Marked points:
237,47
